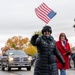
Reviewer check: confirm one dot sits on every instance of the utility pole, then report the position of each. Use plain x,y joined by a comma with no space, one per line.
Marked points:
74,29
74,26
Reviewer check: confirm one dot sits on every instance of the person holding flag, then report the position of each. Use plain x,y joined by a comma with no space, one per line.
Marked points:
45,63
64,48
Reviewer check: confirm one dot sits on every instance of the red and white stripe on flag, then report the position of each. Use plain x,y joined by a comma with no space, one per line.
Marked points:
42,12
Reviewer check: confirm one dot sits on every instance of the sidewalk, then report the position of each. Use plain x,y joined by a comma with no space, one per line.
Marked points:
71,71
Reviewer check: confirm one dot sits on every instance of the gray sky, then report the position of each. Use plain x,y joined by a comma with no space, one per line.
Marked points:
17,17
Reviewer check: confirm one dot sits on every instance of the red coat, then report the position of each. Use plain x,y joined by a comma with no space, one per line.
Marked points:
62,50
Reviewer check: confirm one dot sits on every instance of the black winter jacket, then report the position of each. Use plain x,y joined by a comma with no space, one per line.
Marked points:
46,60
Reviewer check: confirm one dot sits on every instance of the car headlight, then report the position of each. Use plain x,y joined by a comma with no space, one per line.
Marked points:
11,59
29,58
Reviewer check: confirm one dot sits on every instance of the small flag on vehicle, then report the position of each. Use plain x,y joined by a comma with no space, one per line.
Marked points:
44,13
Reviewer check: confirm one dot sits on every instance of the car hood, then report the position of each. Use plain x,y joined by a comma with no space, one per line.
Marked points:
18,56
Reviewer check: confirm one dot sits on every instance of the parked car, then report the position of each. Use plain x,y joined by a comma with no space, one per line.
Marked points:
0,61
15,59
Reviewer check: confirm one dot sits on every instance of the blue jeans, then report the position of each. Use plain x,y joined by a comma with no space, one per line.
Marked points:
62,72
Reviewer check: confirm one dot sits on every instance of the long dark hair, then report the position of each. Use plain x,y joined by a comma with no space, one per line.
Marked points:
63,34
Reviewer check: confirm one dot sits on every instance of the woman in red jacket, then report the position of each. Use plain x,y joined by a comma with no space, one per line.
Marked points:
64,48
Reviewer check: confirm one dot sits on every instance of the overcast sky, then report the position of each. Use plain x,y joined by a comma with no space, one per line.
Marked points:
17,17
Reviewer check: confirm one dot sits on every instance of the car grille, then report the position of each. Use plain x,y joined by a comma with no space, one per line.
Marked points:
21,59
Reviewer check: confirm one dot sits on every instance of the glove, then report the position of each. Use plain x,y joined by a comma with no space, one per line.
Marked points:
33,39
67,53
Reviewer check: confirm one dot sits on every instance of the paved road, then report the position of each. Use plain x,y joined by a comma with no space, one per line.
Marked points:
25,72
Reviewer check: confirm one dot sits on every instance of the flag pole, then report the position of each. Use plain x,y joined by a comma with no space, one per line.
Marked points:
46,24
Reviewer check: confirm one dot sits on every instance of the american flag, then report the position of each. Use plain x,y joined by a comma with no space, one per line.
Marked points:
44,13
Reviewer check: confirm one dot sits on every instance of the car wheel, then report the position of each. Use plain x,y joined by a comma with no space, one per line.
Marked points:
2,68
8,68
19,68
29,68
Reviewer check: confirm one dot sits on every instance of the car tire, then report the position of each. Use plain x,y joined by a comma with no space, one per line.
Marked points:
19,68
29,68
8,68
2,68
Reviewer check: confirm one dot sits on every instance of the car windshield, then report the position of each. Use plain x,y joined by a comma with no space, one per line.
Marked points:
16,52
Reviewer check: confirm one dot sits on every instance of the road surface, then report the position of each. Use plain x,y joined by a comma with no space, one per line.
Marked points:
25,72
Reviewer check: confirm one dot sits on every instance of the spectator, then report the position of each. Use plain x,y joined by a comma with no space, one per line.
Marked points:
73,58
46,61
64,48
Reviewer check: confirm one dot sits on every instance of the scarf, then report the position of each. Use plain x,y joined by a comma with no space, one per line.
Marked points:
63,43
